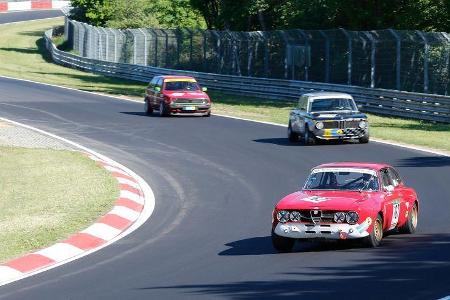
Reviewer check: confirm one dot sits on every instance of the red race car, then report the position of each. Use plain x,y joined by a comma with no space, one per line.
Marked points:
346,200
176,95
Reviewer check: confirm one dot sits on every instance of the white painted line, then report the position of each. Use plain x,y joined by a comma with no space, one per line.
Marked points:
102,231
60,251
148,199
131,196
7,273
128,182
125,212
445,298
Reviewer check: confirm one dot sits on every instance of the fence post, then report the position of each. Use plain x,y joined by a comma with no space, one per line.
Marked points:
155,59
106,44
447,60
191,36
350,56
115,44
372,58
305,37
425,61
218,52
327,55
398,58
145,46
98,54
288,57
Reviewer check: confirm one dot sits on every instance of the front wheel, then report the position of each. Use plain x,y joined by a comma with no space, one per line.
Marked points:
411,224
364,139
374,238
163,110
308,137
282,244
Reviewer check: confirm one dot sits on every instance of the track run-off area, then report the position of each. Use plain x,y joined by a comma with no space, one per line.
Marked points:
216,181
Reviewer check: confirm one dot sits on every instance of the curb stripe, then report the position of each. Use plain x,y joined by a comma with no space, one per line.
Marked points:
128,182
121,175
60,251
130,204
29,262
125,212
131,196
115,221
102,231
8,273
84,241
129,188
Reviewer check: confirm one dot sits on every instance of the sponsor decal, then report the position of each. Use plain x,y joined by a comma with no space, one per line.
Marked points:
315,199
395,213
177,94
180,79
343,235
353,170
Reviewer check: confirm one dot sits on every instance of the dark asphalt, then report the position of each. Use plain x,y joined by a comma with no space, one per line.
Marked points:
18,16
216,181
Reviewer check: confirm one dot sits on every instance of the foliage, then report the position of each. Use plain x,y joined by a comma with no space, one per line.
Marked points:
137,13
322,14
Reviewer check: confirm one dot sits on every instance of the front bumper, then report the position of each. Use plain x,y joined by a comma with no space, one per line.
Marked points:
191,110
334,134
328,231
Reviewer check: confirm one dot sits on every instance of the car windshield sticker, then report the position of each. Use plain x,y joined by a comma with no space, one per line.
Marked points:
180,79
351,170
315,199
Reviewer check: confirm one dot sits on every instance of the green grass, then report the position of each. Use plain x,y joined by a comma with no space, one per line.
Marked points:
45,195
22,56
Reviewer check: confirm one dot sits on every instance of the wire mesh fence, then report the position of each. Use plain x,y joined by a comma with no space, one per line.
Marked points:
412,61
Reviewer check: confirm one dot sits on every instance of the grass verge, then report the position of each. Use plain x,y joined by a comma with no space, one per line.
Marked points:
23,56
46,195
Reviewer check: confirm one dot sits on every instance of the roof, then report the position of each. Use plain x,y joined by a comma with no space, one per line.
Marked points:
328,95
361,165
176,77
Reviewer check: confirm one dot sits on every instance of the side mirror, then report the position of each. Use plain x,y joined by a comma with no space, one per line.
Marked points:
157,88
204,89
389,188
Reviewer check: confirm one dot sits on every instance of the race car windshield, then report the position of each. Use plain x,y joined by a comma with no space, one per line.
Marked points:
182,86
342,180
331,104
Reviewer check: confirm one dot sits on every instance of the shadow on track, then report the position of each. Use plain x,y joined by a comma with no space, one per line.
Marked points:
415,267
424,161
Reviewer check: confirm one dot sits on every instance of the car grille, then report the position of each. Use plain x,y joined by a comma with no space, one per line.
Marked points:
189,101
327,216
340,124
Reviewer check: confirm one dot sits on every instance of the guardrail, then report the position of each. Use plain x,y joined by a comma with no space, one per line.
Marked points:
386,102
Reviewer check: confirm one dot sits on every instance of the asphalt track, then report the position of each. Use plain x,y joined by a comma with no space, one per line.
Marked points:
216,181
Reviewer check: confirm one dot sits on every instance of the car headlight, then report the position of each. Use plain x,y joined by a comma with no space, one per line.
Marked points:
319,125
362,124
295,216
339,217
352,217
283,216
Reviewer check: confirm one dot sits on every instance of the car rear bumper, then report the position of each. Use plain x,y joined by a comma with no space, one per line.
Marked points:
327,231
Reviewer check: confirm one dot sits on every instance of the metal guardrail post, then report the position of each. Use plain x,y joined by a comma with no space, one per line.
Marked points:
349,57
447,60
327,55
145,46
155,59
425,60
398,58
372,58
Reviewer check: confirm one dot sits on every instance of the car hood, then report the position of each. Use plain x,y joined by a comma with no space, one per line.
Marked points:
186,94
338,115
331,200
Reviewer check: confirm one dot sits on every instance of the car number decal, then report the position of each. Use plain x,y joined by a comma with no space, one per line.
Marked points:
395,213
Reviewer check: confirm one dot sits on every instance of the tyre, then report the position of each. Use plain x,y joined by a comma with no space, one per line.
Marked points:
208,114
292,136
411,224
282,244
374,238
148,108
308,137
364,139
162,109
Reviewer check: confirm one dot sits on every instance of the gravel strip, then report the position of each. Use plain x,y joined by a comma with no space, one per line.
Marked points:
16,136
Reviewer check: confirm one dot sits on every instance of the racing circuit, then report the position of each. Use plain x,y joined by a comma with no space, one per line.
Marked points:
216,181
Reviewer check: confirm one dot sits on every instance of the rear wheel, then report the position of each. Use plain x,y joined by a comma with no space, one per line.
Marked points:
148,108
292,136
281,243
411,224
374,238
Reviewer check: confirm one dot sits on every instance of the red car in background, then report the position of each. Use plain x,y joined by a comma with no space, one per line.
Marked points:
346,200
176,95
